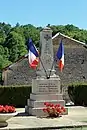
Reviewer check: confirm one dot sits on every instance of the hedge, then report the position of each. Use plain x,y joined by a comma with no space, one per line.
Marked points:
78,94
14,95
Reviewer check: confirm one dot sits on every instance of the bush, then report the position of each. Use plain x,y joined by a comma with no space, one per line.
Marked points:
78,94
14,95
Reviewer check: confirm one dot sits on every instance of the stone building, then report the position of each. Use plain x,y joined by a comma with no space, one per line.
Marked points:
74,69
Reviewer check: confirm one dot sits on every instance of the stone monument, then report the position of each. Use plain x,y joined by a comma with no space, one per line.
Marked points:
46,87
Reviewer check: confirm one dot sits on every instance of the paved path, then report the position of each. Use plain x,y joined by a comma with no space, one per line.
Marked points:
77,116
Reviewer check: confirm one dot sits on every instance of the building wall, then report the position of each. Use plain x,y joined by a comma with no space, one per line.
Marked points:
19,73
75,58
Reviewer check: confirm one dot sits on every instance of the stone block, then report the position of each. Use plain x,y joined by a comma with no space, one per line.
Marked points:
37,104
46,86
28,102
26,109
46,96
39,112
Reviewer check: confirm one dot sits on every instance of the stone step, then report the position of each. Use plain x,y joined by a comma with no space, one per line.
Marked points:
39,112
46,96
37,104
26,109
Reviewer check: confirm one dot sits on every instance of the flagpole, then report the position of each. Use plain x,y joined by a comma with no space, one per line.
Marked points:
51,68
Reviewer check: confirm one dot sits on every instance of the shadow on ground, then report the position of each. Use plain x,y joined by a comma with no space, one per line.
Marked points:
22,114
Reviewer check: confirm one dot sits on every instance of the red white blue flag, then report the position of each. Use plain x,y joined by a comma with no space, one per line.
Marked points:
33,55
60,56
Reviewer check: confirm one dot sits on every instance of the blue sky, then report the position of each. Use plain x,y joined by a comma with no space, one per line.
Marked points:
43,12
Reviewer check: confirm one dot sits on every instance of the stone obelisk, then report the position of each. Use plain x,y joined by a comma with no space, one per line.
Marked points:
46,87
47,56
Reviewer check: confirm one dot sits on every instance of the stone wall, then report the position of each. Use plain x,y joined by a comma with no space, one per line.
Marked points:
75,66
19,73
75,58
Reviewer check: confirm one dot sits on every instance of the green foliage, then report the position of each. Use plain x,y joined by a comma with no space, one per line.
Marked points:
14,95
14,40
16,45
31,32
78,93
5,28
4,62
2,37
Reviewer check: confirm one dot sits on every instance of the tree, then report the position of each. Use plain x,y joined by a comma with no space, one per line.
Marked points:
16,46
4,62
2,38
31,32
17,24
5,28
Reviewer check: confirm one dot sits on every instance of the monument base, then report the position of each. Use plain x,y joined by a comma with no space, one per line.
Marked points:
44,90
39,111
35,104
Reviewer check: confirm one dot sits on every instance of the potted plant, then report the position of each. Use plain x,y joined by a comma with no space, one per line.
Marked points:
6,112
53,110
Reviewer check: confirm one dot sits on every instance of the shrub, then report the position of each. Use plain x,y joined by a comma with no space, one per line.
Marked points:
78,93
14,95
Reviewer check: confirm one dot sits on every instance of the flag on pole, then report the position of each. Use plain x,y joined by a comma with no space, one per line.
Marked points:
33,55
60,56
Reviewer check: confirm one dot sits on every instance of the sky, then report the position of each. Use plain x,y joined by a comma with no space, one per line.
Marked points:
43,12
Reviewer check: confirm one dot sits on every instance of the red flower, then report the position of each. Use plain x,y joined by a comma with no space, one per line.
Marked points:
58,110
1,106
46,104
48,110
64,110
58,105
1,109
53,110
44,109
51,105
7,109
62,107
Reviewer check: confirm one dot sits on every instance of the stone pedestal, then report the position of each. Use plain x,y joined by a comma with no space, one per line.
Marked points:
44,90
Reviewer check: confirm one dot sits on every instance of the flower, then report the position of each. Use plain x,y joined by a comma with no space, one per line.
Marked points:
44,109
53,110
7,109
47,104
57,105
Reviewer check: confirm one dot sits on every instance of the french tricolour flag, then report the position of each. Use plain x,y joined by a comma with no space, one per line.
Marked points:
60,56
33,56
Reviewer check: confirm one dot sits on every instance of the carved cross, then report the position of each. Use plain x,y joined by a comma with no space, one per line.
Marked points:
47,37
